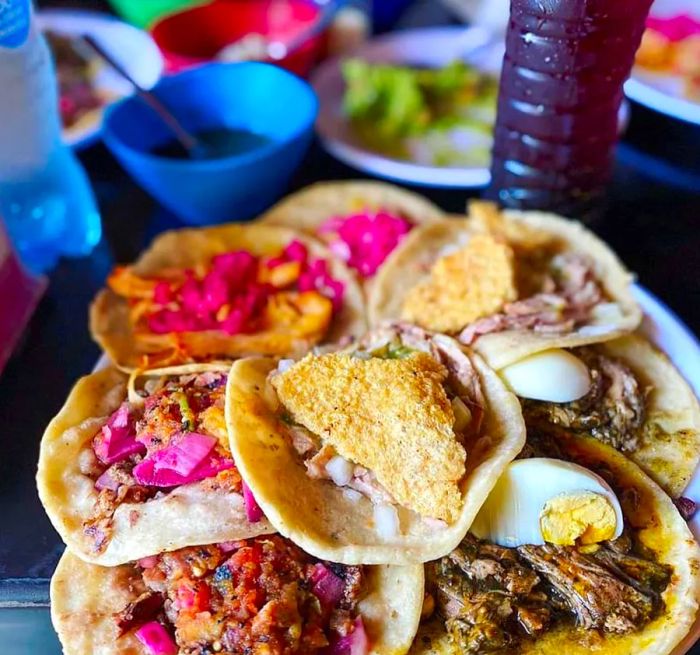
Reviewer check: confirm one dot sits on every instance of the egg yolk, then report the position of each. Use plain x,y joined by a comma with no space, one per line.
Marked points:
583,517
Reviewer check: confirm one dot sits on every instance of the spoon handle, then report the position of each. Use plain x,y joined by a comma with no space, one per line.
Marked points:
189,142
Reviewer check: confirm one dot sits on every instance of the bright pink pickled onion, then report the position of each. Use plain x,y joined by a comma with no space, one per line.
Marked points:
185,453
252,509
185,460
355,643
676,28
317,278
106,481
117,440
162,294
328,587
238,265
156,638
148,562
296,252
365,240
147,474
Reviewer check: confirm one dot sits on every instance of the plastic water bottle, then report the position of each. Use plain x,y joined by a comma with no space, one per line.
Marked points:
45,197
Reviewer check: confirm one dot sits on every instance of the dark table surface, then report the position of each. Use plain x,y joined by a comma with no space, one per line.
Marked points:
652,221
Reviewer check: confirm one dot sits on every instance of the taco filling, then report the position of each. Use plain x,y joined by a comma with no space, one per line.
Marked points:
171,433
493,284
260,595
365,239
492,598
550,551
345,415
613,410
236,293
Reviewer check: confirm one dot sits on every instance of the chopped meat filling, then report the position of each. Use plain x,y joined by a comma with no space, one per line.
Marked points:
595,597
136,431
256,596
612,411
492,598
565,301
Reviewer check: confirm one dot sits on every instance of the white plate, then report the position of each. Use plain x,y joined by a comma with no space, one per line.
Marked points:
664,93
432,47
132,47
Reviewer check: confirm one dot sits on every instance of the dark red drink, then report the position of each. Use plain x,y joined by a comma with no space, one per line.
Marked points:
560,93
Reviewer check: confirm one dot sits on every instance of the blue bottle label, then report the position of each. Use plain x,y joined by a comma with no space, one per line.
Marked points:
14,22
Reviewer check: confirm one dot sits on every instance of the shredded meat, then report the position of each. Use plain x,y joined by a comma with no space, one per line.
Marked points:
592,593
487,597
491,597
565,301
613,410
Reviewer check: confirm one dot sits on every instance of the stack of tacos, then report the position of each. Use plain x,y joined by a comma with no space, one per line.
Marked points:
360,426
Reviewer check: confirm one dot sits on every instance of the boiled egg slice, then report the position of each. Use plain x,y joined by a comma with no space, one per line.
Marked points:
553,375
544,500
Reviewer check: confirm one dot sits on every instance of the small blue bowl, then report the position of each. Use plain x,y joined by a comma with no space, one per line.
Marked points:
259,98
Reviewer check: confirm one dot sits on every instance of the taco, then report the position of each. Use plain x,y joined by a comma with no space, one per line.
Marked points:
131,467
361,222
259,595
379,454
509,284
595,559
225,291
630,396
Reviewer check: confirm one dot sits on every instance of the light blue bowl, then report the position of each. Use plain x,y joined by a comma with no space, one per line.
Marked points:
261,98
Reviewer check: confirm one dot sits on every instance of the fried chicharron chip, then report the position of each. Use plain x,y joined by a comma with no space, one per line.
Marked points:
361,408
463,286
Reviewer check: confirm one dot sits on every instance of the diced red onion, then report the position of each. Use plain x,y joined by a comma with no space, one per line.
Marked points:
253,511
186,461
327,586
156,639
106,481
116,440
148,562
355,643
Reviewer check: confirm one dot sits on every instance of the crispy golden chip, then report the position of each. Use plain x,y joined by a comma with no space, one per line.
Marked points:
391,416
463,286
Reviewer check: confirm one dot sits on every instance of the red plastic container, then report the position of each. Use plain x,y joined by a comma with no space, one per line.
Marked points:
192,37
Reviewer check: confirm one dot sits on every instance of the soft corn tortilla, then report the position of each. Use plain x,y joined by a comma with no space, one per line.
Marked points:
85,597
411,262
669,448
661,528
187,516
318,516
182,249
307,209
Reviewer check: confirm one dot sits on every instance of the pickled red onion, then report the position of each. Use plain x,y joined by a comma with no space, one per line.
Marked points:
365,240
156,638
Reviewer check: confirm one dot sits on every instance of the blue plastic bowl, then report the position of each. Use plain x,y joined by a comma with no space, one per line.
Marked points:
261,98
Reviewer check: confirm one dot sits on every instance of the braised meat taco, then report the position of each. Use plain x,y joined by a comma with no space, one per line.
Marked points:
573,554
509,284
378,454
258,595
131,467
225,291
361,222
624,393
